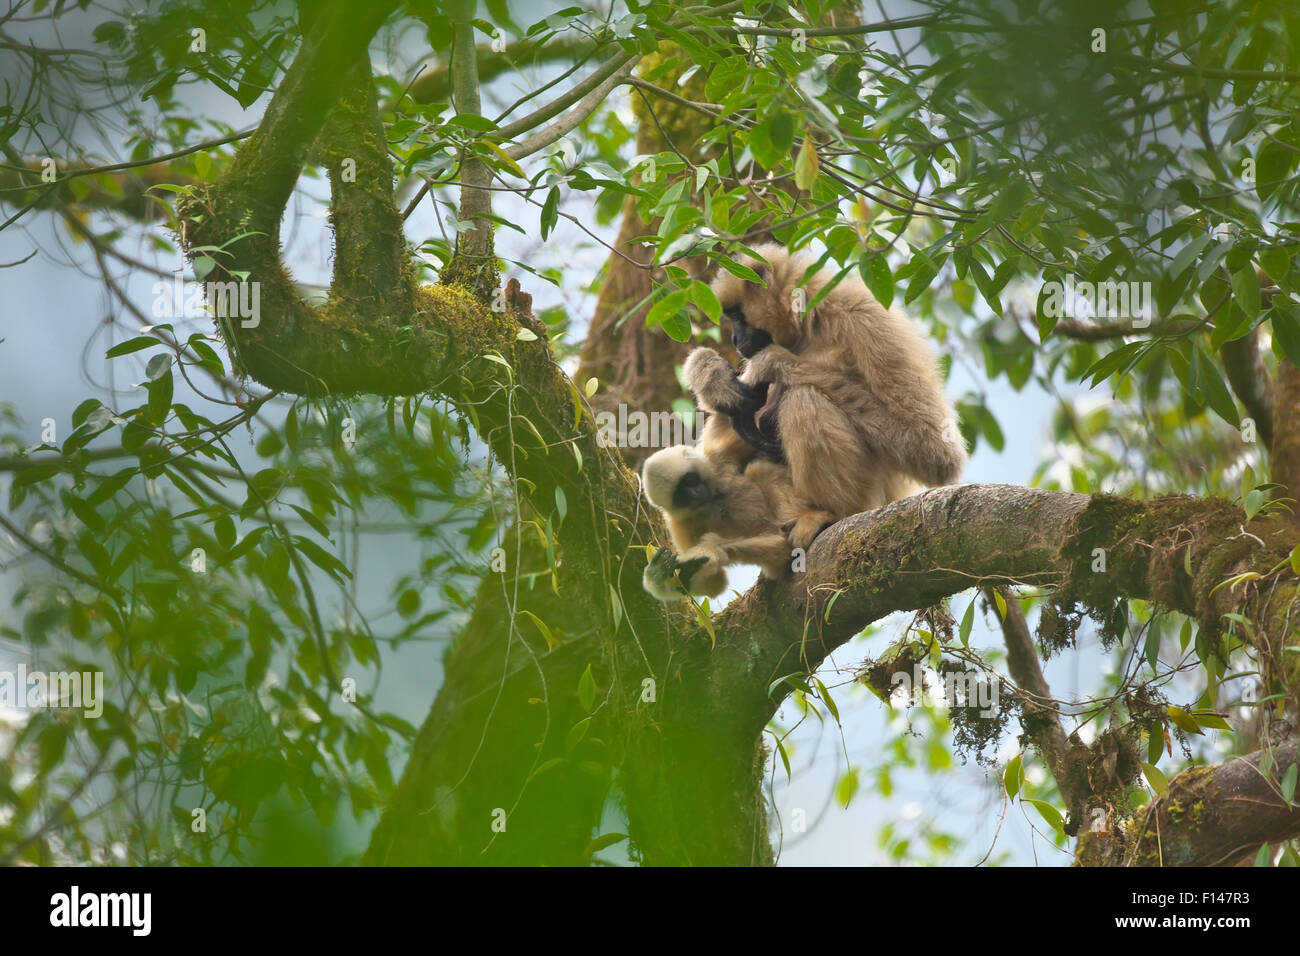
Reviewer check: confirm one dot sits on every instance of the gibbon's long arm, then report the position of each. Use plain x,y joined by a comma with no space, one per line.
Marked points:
719,389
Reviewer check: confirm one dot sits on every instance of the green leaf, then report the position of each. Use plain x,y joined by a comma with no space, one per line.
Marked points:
1156,778
678,327
847,787
1184,721
160,398
1272,166
785,758
825,695
794,680
1215,391
576,734
587,690
922,278
157,367
323,559
1245,289
1275,261
1014,774
1289,782
770,140
551,642
806,165
1286,329
132,345
703,298
550,211
1208,718
874,268
1050,814
224,530
666,308
967,622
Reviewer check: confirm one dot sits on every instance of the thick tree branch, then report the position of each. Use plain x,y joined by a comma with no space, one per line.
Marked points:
1284,449
1211,816
1251,382
571,120
915,552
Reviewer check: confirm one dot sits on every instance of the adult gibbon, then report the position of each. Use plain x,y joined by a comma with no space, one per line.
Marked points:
853,395
718,514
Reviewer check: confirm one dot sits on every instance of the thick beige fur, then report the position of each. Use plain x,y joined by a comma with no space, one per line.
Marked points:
741,522
863,418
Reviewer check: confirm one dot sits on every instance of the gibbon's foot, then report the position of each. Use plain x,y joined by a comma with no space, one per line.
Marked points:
803,531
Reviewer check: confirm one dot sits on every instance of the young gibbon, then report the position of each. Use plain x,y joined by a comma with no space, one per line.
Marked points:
718,514
852,392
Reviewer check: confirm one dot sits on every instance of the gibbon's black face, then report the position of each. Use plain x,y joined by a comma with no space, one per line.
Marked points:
748,340
692,490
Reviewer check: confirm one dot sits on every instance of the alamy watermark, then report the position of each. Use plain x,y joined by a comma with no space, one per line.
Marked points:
22,689
632,428
971,689
1100,300
229,300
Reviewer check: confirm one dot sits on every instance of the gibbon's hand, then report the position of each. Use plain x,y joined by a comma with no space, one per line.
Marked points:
762,434
774,364
719,388
686,570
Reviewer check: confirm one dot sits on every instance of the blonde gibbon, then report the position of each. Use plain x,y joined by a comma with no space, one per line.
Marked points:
718,514
849,392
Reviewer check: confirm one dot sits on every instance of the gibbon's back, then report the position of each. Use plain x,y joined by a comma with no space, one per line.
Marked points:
867,369
849,324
